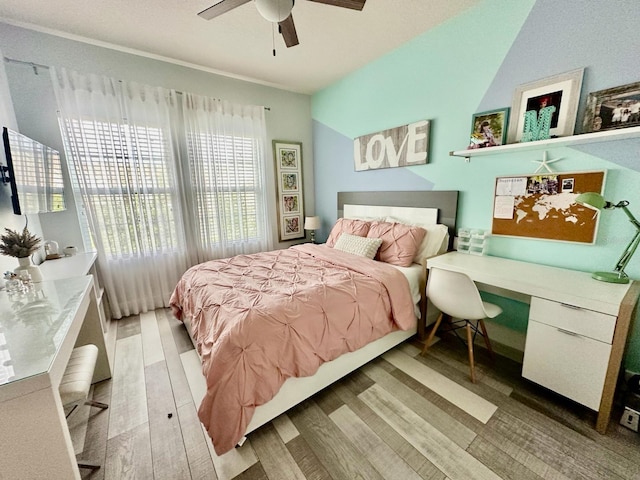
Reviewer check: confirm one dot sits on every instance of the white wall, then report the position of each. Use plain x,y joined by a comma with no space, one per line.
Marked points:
34,102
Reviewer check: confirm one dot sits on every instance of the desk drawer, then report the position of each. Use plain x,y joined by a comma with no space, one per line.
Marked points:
571,365
595,325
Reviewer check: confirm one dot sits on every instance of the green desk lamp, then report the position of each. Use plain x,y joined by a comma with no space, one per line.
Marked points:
597,202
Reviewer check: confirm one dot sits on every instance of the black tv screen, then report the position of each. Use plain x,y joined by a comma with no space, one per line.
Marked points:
35,174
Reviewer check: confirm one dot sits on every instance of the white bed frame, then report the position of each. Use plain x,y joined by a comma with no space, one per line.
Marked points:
295,390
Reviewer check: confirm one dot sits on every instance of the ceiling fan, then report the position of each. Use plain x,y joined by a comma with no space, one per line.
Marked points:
276,11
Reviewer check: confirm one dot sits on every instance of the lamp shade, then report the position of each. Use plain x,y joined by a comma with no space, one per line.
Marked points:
591,200
312,223
274,10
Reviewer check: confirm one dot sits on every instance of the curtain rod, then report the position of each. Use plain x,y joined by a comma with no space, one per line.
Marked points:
36,66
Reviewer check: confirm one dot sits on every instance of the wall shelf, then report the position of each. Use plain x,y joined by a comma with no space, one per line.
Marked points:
606,136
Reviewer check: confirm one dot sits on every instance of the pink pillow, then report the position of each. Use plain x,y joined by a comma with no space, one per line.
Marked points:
400,242
351,226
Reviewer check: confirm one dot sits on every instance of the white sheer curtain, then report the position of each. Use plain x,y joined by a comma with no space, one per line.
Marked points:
230,178
122,158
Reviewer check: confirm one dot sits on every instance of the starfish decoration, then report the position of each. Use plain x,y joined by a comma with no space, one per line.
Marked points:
544,163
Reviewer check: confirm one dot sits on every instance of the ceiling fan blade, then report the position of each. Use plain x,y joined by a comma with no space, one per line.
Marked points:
352,4
221,7
288,31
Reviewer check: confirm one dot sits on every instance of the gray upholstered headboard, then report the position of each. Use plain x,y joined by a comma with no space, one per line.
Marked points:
445,201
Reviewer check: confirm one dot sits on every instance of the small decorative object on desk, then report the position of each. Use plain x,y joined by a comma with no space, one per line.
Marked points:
21,245
13,284
70,251
473,241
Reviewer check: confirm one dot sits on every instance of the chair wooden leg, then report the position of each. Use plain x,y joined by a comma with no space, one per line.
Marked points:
470,348
486,339
432,334
93,403
88,465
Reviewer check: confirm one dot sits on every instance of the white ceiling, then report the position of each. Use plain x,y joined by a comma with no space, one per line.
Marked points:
334,41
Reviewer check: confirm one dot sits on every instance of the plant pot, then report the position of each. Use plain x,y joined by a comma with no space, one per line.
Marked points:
34,271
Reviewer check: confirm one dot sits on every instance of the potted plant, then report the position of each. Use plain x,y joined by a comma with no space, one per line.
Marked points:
21,245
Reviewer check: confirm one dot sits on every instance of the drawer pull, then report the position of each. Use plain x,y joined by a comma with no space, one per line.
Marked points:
568,332
573,307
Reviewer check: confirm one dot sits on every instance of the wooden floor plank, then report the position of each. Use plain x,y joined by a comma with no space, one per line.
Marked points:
274,457
128,406
307,459
328,401
179,332
448,425
336,453
195,443
442,452
167,444
379,454
285,428
522,456
585,450
553,452
460,396
128,326
181,391
255,472
500,462
129,455
151,345
391,437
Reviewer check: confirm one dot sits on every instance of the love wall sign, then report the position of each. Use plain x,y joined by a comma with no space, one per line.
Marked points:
397,147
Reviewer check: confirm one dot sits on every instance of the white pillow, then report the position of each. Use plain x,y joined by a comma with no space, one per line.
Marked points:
362,246
435,242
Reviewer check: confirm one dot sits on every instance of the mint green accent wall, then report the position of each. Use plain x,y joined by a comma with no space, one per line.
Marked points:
435,76
473,63
514,313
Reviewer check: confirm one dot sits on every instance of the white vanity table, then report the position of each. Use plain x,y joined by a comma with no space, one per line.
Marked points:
38,331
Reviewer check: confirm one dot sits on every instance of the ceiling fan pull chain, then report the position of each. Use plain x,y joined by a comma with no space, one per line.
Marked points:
273,37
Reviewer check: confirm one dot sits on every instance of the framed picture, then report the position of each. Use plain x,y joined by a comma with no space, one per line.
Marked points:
561,91
292,226
489,129
290,204
617,107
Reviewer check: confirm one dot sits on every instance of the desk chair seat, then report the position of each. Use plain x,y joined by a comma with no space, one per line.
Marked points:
456,295
76,382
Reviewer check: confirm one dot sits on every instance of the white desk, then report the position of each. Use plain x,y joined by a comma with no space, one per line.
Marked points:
37,334
566,301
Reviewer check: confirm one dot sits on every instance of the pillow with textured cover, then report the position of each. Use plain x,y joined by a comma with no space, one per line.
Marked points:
362,246
400,242
435,242
347,225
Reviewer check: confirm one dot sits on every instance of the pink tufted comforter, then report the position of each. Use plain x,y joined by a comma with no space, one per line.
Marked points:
259,319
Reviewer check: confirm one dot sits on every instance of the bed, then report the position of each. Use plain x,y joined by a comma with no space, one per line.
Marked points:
274,328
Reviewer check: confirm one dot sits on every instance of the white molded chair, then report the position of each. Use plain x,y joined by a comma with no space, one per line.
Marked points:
76,382
456,295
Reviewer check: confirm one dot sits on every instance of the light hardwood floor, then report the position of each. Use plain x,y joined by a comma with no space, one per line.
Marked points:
401,416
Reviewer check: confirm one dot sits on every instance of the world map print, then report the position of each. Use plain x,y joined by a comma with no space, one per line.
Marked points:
544,209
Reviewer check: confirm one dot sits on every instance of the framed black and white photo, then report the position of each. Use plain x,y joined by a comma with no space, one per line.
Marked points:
290,204
617,107
562,92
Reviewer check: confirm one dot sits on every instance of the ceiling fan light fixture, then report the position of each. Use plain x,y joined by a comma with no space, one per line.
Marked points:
274,10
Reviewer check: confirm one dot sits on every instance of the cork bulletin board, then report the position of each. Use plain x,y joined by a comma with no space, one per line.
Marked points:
542,206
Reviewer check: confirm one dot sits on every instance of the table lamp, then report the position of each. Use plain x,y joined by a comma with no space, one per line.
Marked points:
597,202
313,224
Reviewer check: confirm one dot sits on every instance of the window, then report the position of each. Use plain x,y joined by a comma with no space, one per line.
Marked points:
128,185
227,187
